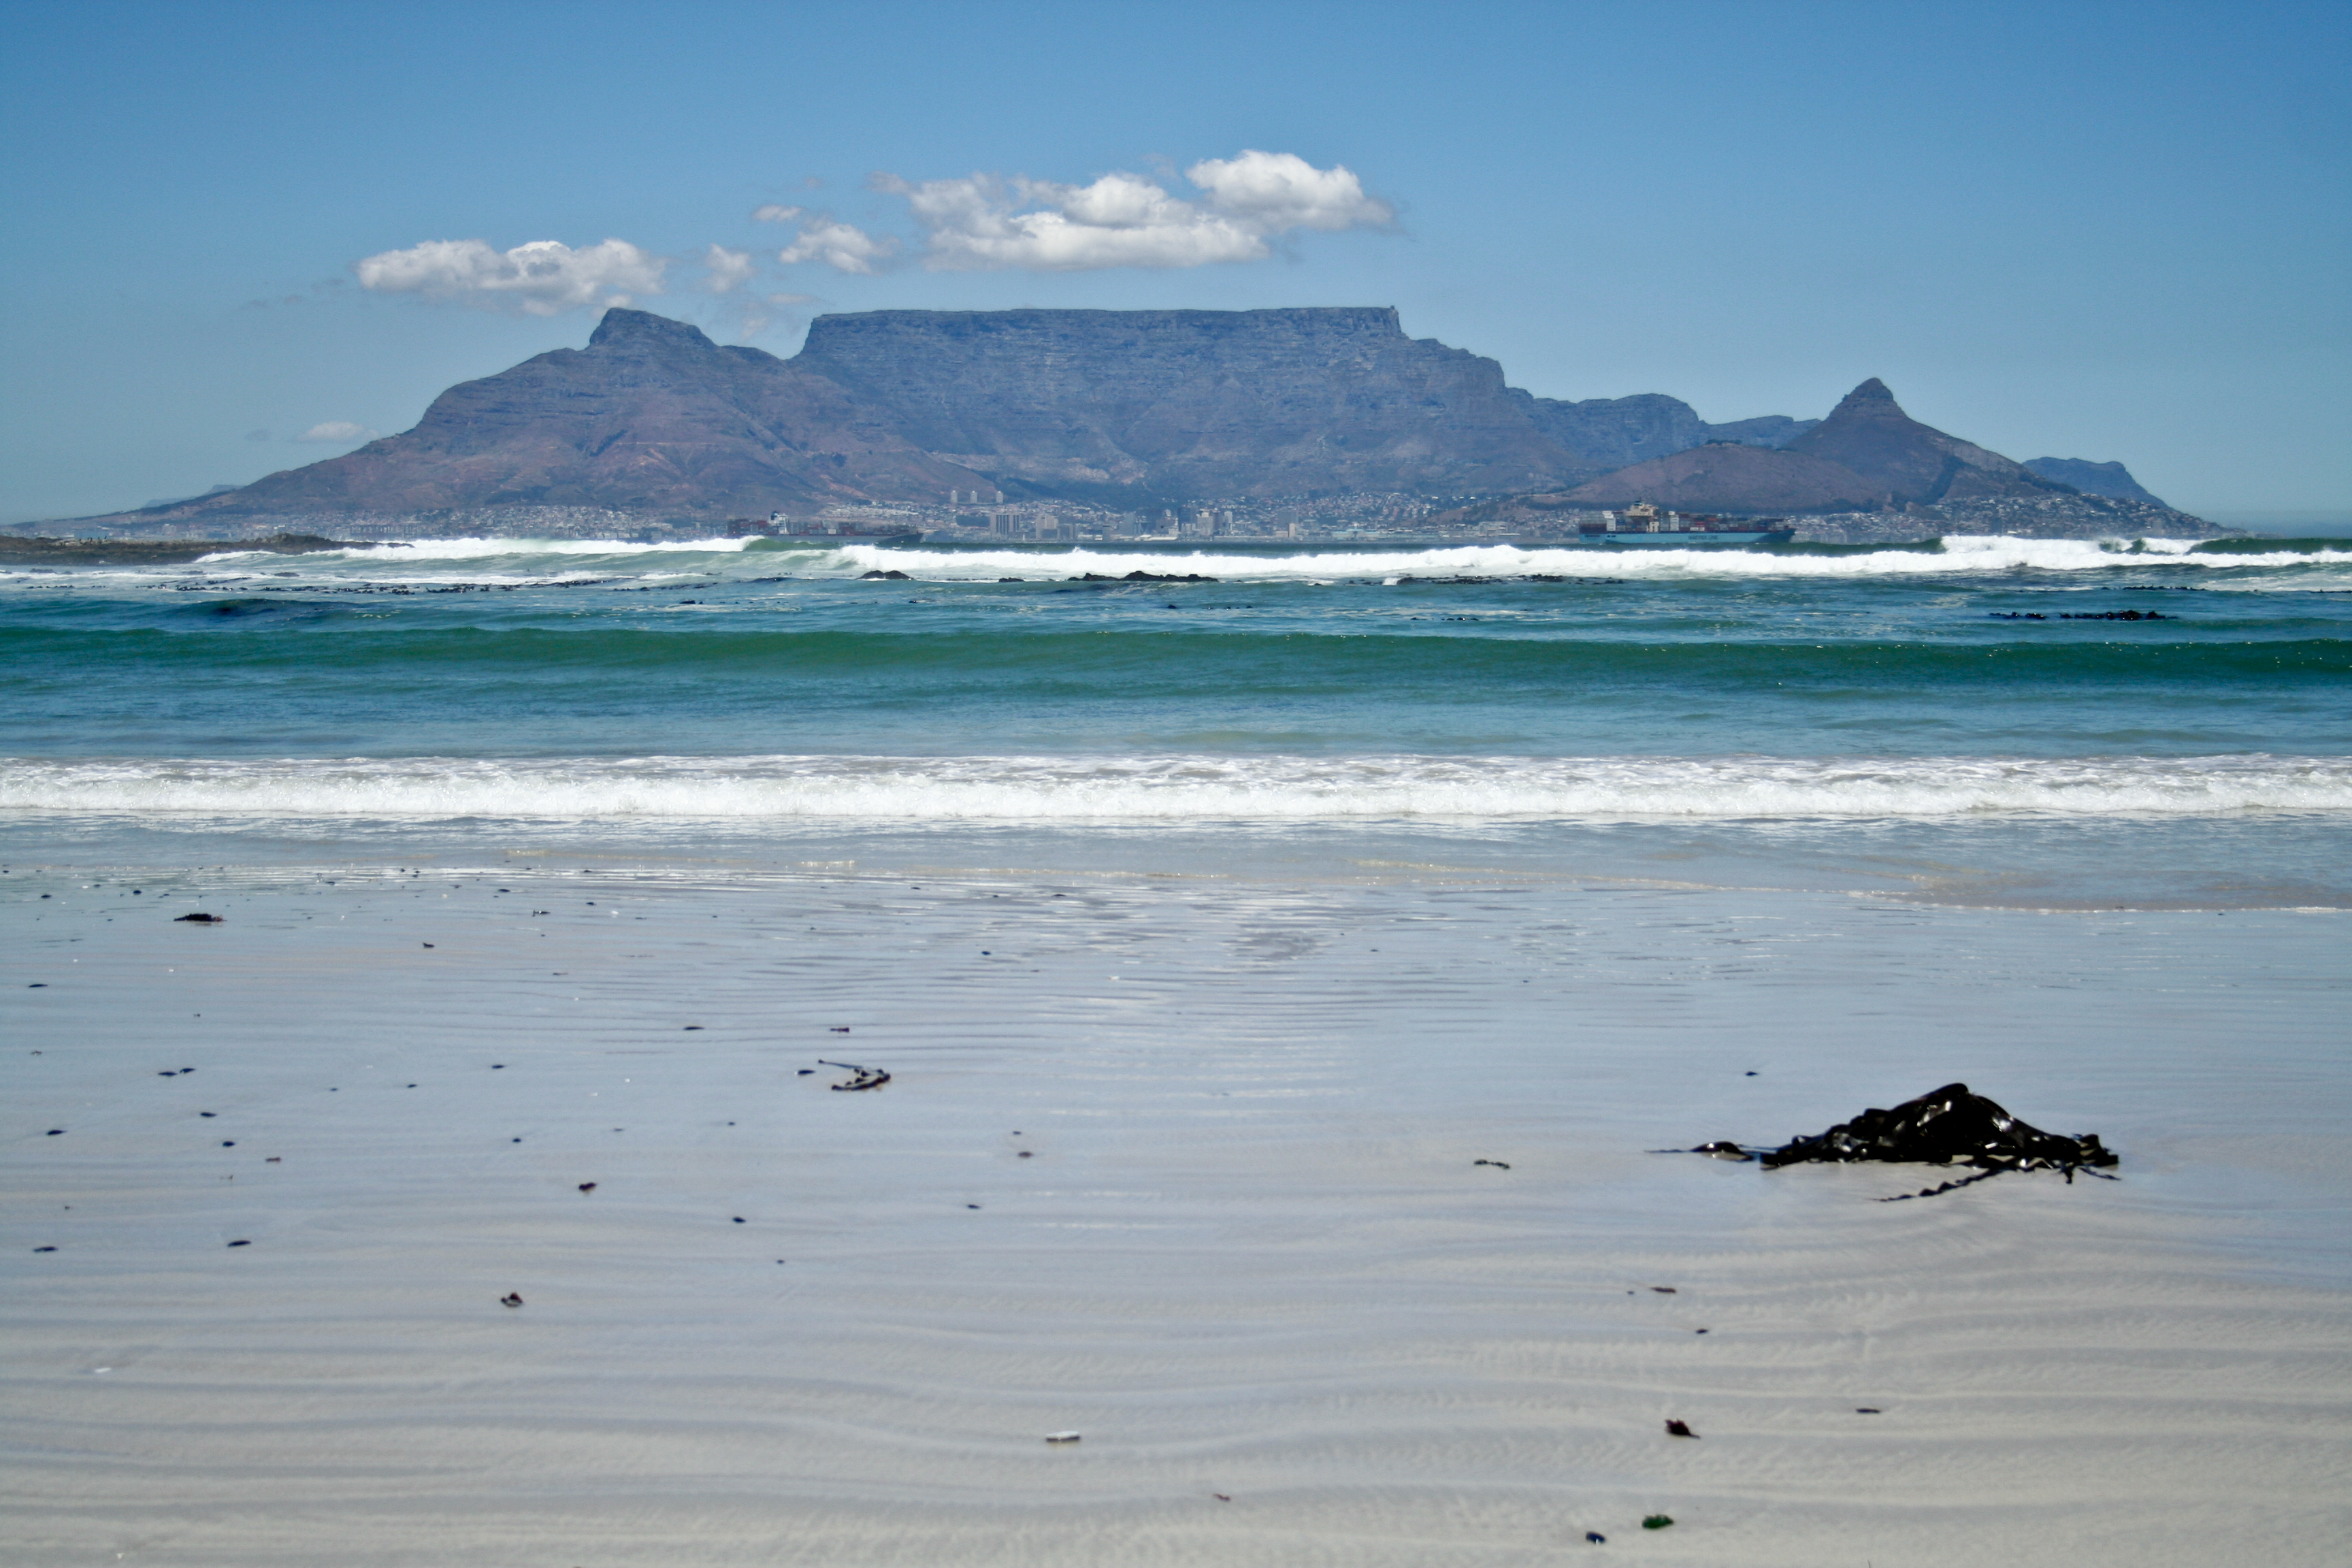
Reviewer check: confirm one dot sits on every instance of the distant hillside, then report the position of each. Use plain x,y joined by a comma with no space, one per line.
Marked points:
2111,480
1869,471
654,422
651,418
1908,461
1733,478
1184,404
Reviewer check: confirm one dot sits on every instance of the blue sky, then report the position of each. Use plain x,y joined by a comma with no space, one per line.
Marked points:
2106,231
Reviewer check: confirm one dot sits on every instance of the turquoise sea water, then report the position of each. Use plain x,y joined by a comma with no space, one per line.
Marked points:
1725,711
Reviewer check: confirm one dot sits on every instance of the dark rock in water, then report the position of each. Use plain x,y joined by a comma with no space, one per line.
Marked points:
1949,1126
885,577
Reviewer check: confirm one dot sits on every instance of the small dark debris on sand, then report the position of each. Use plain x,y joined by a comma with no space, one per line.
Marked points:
200,919
510,1300
1595,1537
1679,1430
1949,1126
859,1078
1868,1410
240,1244
1664,1290
1657,1520
587,1186
45,1250
1498,1164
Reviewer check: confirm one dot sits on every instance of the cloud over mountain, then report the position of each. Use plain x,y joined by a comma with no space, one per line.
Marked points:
544,278
983,223
727,269
336,433
843,246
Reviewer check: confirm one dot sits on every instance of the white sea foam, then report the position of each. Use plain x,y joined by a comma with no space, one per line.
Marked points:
522,561
1175,789
1968,556
472,549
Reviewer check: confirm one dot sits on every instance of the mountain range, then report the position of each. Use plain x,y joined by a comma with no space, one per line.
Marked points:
652,420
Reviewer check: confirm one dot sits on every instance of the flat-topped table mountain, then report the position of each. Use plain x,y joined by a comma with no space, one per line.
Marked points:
1129,408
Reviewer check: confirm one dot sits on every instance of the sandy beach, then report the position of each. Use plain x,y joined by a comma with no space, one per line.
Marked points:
1191,1166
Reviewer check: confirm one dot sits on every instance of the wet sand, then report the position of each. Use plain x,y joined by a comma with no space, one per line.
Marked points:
1250,1253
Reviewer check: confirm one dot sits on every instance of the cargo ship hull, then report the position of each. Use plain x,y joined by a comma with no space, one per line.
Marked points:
1684,538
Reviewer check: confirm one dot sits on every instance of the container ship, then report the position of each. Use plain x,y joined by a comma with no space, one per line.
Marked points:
1643,524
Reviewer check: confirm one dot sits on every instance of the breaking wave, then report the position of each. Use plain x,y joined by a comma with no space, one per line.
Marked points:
1173,789
1952,556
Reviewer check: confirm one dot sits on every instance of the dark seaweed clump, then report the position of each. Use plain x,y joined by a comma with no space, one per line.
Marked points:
1949,1126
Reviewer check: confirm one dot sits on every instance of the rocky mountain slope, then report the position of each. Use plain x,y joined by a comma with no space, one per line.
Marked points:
1727,478
1609,433
1868,433
1867,461
651,418
2111,480
1134,408
653,421
1113,405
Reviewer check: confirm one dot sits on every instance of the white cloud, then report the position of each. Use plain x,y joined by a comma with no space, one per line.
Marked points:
729,269
771,213
984,223
1276,192
841,246
541,278
337,433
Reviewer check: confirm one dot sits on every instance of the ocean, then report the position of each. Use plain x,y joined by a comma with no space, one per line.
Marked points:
1974,706
1301,982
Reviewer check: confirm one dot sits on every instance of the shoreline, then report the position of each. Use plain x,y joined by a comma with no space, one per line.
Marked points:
1250,1253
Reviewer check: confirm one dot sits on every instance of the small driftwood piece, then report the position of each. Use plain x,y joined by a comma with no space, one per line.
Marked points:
859,1078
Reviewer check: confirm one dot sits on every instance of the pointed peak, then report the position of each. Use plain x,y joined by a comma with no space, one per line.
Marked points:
625,327
1870,397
